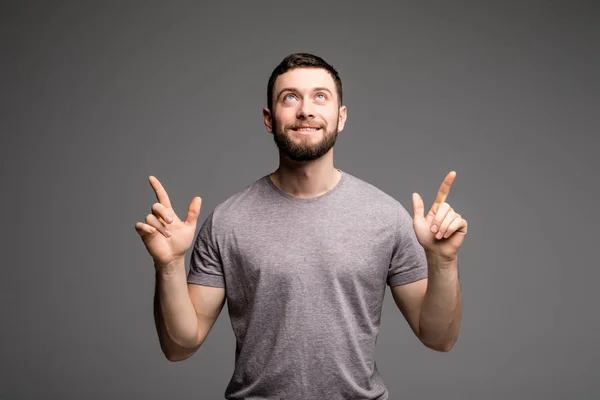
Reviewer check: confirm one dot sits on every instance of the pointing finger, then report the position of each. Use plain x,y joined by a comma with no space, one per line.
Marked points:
161,193
444,189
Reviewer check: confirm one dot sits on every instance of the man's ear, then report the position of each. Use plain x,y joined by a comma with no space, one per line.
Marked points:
267,119
342,118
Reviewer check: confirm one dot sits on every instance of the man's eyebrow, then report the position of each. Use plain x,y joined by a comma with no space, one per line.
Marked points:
291,89
322,89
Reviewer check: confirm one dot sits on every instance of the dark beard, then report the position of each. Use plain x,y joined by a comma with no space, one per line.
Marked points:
303,152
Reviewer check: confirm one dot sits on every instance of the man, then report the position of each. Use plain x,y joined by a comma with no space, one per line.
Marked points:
303,257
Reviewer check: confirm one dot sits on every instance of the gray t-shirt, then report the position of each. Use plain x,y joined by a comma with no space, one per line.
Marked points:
305,281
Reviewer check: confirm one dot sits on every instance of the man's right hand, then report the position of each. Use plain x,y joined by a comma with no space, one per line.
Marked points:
165,236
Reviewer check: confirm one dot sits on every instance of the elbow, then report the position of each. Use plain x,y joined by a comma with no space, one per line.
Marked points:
443,347
176,357
442,343
179,353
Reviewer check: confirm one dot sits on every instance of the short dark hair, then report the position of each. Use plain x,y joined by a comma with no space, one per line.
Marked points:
301,60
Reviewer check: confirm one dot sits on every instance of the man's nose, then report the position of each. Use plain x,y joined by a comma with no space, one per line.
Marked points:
305,110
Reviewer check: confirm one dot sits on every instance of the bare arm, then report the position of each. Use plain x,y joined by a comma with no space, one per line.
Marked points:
183,313
433,306
441,312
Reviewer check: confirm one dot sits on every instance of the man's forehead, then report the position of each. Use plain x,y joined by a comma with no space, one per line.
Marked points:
305,78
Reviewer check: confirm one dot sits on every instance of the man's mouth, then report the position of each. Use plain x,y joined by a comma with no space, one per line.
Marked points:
306,129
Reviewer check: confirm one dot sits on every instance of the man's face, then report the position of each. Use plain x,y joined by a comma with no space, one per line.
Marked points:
306,114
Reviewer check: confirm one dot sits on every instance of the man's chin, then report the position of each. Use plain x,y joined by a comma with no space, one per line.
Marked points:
305,152
303,158
304,155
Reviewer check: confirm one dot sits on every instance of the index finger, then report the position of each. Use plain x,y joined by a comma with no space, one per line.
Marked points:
161,193
444,189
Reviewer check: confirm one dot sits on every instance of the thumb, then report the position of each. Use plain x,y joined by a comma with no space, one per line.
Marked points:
418,206
193,210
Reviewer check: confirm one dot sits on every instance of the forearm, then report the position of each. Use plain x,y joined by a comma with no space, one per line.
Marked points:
174,314
441,311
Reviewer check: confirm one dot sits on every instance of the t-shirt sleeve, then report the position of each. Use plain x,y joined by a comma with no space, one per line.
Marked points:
206,267
408,262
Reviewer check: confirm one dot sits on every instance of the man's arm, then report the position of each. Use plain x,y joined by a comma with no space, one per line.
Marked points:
183,313
433,306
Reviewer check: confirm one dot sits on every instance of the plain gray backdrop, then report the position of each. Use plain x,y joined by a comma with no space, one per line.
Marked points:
97,96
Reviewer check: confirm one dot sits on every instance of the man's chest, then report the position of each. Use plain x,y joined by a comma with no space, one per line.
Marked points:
338,250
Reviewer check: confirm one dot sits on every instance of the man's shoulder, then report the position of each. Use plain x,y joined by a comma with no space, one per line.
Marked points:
241,201
367,191
382,205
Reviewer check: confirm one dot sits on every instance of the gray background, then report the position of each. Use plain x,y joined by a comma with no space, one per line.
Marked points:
97,96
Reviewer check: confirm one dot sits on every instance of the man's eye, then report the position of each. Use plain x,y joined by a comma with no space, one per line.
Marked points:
321,96
289,97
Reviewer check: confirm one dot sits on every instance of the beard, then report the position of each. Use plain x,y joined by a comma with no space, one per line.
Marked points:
305,150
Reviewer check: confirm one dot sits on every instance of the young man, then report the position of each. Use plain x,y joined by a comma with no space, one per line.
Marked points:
303,256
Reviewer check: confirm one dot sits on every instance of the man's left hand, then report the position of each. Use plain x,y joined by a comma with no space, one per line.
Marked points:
442,231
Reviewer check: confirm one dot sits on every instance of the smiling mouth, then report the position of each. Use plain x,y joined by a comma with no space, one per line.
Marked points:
306,130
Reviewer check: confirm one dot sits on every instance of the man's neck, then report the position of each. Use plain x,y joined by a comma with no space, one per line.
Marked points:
307,180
